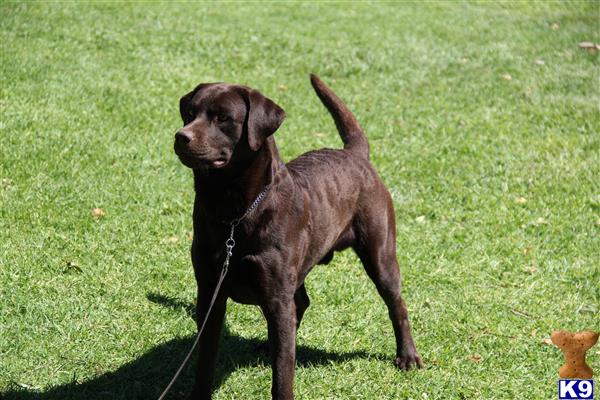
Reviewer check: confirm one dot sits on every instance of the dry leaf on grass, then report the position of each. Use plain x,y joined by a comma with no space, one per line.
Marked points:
475,358
530,269
534,333
98,213
520,200
547,341
555,26
5,183
506,77
589,46
173,239
540,62
421,219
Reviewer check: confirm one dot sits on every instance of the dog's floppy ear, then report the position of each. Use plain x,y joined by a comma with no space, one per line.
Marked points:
264,118
185,101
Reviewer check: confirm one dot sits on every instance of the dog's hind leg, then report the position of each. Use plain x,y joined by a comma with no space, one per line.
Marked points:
376,248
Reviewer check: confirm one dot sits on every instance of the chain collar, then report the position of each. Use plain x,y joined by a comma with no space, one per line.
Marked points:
230,242
252,206
255,203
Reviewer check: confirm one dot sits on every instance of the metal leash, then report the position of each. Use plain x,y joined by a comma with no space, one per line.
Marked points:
229,245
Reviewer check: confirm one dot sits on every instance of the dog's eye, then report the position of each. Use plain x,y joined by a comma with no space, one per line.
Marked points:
191,113
223,118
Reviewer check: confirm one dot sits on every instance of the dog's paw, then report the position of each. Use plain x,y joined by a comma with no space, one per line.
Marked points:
409,361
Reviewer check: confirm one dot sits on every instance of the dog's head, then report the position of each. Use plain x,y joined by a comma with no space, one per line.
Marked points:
222,123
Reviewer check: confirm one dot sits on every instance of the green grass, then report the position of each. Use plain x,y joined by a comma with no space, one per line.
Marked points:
100,308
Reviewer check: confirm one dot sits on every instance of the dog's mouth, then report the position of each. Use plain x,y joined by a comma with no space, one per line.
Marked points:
195,161
220,163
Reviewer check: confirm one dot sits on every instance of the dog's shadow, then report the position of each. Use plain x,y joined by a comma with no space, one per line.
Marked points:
146,377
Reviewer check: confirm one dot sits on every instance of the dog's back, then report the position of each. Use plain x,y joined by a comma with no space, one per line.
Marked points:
352,162
339,185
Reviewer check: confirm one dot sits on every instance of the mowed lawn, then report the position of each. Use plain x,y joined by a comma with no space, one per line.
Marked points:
483,121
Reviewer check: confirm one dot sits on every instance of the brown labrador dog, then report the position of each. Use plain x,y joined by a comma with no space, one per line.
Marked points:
321,202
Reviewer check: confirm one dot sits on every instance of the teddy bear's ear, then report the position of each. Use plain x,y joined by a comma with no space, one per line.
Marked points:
560,338
587,338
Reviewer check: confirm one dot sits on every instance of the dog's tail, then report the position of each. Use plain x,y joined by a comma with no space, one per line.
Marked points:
352,134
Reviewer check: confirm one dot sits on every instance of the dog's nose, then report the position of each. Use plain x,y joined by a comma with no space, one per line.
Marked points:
183,137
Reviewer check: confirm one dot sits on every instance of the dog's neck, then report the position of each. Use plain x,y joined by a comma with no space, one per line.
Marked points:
226,193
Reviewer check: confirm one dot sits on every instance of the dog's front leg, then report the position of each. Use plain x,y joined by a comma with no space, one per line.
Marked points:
209,341
280,313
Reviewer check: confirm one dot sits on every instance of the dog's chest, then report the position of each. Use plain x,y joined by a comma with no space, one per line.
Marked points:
245,280
245,283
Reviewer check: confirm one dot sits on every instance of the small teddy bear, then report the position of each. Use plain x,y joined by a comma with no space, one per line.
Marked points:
574,346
